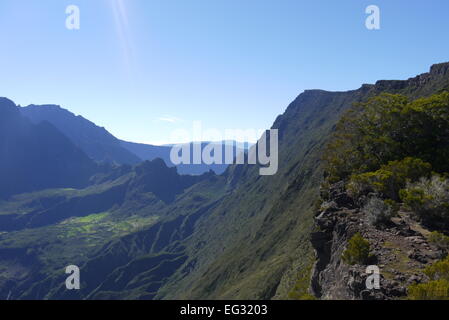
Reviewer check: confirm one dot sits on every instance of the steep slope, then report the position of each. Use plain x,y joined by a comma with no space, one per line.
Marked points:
258,238
96,142
37,156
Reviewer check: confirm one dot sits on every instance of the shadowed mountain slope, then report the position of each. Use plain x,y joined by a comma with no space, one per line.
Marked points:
96,142
37,156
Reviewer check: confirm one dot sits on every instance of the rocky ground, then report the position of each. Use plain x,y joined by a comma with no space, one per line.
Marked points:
400,250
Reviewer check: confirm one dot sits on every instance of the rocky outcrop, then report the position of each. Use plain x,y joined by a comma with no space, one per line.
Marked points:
399,250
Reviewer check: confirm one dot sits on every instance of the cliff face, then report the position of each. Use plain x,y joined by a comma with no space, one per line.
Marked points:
400,249
422,85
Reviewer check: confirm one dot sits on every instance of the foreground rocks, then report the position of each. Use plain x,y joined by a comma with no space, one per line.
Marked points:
400,250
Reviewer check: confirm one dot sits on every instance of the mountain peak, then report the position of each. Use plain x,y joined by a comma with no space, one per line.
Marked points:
440,69
6,104
7,108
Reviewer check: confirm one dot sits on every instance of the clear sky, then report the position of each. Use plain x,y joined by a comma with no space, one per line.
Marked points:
143,68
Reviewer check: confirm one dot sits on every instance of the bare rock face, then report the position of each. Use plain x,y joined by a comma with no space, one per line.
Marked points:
400,251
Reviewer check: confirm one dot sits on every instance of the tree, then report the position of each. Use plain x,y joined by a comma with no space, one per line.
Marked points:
390,178
390,128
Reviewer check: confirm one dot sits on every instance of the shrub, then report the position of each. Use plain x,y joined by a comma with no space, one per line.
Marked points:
438,270
379,212
361,142
433,290
388,128
429,200
440,240
390,178
357,251
437,288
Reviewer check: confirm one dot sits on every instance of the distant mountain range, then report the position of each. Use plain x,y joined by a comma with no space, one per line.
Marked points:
49,147
150,152
100,145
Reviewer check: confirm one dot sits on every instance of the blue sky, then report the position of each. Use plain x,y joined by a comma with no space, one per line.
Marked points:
143,68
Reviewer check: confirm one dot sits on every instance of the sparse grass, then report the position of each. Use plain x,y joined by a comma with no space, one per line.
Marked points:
401,263
301,289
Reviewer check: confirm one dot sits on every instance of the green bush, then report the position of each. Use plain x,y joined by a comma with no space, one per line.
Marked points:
438,270
389,128
429,200
357,251
432,290
438,286
390,178
440,240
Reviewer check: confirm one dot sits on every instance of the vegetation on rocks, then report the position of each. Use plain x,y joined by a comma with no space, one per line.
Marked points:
429,200
390,127
379,212
438,286
440,240
390,178
396,149
357,251
390,155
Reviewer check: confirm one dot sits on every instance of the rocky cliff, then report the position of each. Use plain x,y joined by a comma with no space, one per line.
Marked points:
400,250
